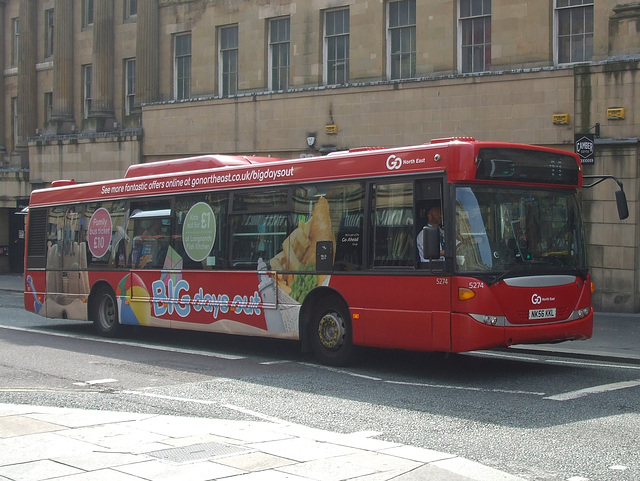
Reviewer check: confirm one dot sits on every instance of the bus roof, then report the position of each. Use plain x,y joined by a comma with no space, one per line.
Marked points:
456,156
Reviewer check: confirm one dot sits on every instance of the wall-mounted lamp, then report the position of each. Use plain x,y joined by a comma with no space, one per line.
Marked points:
561,119
74,129
311,139
38,132
616,113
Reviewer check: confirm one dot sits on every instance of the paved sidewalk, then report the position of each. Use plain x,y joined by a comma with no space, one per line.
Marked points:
38,443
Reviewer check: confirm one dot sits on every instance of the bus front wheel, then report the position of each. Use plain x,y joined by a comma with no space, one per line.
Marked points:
105,312
330,333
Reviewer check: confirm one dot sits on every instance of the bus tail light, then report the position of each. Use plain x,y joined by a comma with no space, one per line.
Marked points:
464,294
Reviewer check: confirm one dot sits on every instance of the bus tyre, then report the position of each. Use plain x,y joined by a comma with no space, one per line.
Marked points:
330,333
105,312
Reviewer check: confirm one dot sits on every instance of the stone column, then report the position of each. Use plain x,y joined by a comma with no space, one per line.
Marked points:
27,86
147,40
102,115
3,134
62,115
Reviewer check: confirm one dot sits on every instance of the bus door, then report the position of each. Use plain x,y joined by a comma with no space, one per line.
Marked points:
401,304
431,209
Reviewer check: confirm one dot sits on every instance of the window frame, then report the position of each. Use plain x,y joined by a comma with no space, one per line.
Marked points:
586,36
130,9
15,51
402,29
331,44
48,106
87,79
472,21
279,57
88,12
48,32
228,76
129,85
182,66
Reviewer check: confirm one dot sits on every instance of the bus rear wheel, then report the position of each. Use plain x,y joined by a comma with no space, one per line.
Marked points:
105,312
330,333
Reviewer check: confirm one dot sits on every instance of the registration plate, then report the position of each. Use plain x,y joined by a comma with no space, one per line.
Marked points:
542,313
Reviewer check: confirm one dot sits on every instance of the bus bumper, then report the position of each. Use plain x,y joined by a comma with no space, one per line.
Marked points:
467,334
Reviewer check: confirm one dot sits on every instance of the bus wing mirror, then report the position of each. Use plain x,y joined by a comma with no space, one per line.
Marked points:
430,242
621,198
621,202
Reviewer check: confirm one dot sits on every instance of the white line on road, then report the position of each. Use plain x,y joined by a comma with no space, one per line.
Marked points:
123,342
95,381
593,390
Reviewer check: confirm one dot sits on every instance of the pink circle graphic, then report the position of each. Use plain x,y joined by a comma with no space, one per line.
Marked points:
99,234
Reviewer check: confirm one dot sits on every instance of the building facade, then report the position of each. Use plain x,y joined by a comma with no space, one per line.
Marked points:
93,86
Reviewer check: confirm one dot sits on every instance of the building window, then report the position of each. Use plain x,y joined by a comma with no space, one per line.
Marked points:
129,86
574,24
336,45
48,107
229,60
14,120
279,34
87,72
402,39
87,13
16,37
475,35
182,66
130,9
48,34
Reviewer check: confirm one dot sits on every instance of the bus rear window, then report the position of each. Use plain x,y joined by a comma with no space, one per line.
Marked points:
522,165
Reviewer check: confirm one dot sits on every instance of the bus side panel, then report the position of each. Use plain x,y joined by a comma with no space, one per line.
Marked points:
398,311
229,302
34,292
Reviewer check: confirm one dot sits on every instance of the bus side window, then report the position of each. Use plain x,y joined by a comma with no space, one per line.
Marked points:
392,221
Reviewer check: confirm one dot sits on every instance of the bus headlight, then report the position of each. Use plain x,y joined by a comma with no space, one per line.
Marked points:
583,312
490,320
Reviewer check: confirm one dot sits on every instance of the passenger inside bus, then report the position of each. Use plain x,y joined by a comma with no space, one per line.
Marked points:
434,219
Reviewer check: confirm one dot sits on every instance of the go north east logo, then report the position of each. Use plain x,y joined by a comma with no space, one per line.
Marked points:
395,163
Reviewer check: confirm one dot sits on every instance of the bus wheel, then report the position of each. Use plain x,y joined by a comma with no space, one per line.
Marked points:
330,334
105,312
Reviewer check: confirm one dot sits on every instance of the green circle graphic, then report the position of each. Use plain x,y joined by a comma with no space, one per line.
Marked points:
199,231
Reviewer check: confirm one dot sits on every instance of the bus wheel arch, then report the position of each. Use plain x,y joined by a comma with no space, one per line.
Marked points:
326,328
103,310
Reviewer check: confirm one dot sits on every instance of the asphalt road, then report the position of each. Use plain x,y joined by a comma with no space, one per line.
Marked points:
536,416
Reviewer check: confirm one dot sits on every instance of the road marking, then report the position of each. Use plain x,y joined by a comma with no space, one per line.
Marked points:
340,371
95,381
465,388
593,390
256,414
122,342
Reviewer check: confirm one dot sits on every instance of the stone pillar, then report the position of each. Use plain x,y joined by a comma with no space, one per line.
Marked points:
62,115
102,115
3,133
27,86
147,39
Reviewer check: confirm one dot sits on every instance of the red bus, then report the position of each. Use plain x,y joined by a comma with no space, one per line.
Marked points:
324,249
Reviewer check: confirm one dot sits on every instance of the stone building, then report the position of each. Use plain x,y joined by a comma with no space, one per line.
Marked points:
93,86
